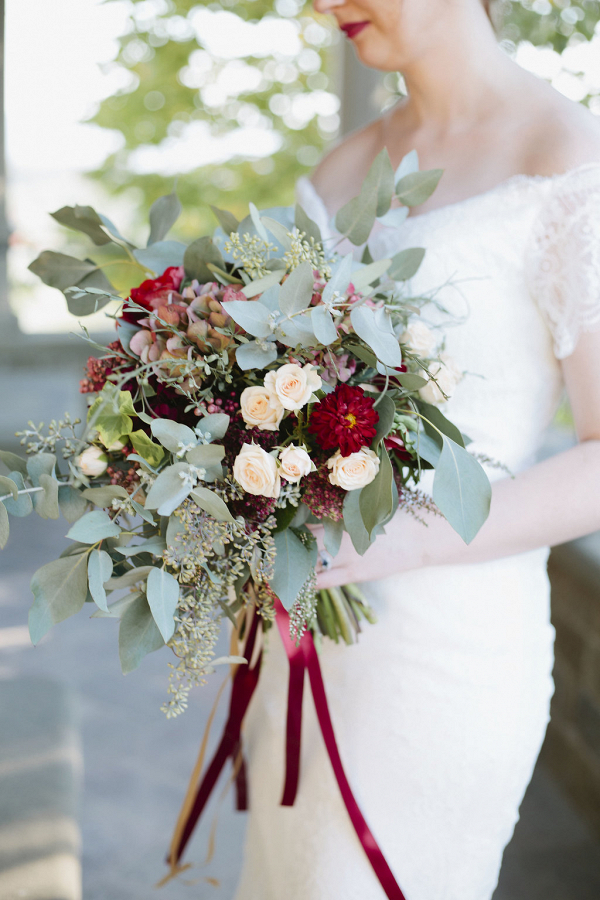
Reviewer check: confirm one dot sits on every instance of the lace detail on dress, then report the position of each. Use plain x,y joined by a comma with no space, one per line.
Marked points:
563,269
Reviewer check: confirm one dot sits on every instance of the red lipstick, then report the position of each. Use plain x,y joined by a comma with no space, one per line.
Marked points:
351,29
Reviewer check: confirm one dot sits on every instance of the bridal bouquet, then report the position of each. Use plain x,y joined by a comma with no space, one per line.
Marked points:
259,382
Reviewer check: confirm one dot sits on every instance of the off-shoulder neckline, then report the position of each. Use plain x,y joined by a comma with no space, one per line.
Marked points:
512,181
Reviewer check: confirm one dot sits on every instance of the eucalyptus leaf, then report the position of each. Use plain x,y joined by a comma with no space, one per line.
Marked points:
366,276
91,294
197,257
60,271
252,317
406,263
72,503
296,332
279,232
23,505
170,489
104,496
129,579
306,226
323,325
100,568
341,274
158,257
377,498
380,181
226,220
297,290
214,425
138,635
461,490
212,504
256,221
334,532
293,564
408,165
155,545
433,417
259,287
13,462
8,486
385,346
60,589
395,217
40,464
4,526
410,381
386,410
164,212
255,355
143,513
172,435
162,592
94,526
356,218
117,609
208,457
416,187
84,219
428,449
45,502
354,524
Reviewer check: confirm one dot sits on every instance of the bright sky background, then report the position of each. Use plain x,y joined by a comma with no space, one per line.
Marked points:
54,49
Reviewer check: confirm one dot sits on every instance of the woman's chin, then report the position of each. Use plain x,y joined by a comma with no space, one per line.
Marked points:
375,58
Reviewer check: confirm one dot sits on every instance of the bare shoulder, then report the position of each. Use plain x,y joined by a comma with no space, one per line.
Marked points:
340,173
564,135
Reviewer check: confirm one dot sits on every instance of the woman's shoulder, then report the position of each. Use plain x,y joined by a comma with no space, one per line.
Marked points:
339,174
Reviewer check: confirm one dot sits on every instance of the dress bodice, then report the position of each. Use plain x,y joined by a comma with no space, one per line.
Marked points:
514,277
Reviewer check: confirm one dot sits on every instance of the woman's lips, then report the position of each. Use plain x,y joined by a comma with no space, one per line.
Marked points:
351,29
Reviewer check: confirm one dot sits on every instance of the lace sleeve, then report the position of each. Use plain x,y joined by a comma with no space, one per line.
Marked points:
563,268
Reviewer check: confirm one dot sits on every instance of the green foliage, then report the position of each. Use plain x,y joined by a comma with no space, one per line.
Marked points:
138,634
555,23
163,596
60,589
173,81
294,563
461,490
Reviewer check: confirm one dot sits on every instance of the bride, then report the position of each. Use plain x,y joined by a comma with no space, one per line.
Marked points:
441,708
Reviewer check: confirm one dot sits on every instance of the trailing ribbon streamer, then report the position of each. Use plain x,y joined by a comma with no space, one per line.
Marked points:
242,689
301,657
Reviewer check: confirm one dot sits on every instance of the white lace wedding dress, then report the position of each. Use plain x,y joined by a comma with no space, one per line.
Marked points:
441,709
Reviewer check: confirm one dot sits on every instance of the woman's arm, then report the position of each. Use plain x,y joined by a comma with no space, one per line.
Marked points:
555,501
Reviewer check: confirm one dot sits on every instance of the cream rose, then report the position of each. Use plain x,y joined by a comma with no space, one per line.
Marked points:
261,408
293,384
256,471
354,471
447,375
92,462
419,339
295,463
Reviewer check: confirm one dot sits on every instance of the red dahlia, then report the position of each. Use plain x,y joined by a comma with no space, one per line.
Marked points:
345,419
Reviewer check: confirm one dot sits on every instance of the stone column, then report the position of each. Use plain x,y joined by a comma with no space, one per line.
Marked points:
8,323
358,89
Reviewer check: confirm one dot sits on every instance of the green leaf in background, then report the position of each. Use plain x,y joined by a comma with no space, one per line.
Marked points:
306,225
367,327
94,526
104,496
334,532
8,486
297,290
257,222
100,569
138,635
164,212
45,502
163,597
212,504
417,187
356,218
84,219
323,325
226,220
380,181
170,489
158,257
354,524
386,410
23,505
40,464
60,271
172,435
255,355
72,503
258,287
14,462
60,589
406,263
377,498
433,415
293,565
409,381
461,490
279,232
198,255
363,278
4,526
253,317
146,448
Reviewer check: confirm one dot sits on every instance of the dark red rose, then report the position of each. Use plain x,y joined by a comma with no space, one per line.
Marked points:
345,419
154,292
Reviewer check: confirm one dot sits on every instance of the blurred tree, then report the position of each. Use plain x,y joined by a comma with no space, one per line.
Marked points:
193,72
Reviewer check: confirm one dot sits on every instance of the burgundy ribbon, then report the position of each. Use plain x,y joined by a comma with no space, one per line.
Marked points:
301,657
243,687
